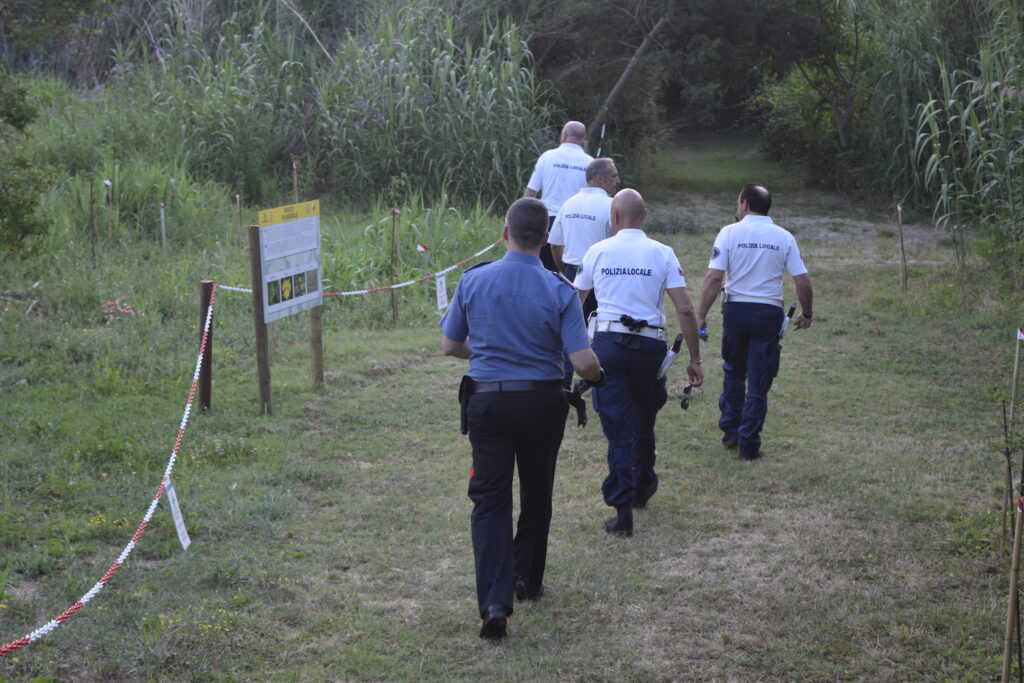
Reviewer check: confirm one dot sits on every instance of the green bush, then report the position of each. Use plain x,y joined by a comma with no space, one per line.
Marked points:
21,182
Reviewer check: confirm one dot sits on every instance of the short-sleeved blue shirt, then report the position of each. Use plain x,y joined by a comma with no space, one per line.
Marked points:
518,318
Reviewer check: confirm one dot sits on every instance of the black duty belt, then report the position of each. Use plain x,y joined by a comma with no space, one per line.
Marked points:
517,385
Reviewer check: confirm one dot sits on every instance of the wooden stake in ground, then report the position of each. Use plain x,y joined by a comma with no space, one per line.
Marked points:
262,339
395,213
1009,433
110,210
96,246
1011,611
206,369
238,215
903,251
316,318
163,226
425,250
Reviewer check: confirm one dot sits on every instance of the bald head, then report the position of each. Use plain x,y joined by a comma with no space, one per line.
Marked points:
628,210
757,198
574,132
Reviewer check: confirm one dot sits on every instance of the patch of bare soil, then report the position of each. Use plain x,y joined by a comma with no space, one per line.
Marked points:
852,230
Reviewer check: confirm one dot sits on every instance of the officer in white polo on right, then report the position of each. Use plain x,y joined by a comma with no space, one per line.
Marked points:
755,252
630,274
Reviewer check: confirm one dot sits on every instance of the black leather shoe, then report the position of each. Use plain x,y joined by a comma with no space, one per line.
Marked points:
731,441
751,456
494,623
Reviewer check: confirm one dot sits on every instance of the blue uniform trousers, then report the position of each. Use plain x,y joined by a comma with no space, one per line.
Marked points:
509,429
628,405
750,349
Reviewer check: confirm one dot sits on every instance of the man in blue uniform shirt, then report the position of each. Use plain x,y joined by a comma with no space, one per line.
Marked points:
630,275
511,319
755,252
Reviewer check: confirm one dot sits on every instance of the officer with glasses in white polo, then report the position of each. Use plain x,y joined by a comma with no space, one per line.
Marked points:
630,275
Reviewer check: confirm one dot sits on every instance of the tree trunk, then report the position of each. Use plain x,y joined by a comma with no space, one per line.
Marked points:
626,74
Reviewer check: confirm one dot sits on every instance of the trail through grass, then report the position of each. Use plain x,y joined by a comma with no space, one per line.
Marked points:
331,540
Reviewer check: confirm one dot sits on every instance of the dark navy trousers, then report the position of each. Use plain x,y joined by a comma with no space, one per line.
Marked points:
506,430
628,405
750,349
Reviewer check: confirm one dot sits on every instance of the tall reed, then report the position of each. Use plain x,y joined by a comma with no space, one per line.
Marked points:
970,151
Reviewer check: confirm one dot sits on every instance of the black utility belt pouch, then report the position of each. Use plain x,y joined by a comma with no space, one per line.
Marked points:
628,341
465,391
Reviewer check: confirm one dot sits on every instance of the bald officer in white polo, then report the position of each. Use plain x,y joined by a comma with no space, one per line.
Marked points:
630,275
558,175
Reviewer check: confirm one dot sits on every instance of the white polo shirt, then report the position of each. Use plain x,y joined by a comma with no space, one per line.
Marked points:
629,273
755,253
559,174
584,219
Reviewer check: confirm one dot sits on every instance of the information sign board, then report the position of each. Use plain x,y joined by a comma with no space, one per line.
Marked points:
290,259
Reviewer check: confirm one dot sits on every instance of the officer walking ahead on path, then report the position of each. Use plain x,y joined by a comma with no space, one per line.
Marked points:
755,252
584,220
511,319
630,273
558,175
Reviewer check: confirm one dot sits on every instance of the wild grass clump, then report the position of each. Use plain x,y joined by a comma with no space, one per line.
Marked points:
406,98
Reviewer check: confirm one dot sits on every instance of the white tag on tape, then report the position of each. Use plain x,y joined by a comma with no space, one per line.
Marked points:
179,523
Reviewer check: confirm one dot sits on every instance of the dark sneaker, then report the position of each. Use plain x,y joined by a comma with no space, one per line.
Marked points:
751,456
731,441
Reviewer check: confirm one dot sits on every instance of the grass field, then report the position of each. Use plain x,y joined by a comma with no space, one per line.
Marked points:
331,539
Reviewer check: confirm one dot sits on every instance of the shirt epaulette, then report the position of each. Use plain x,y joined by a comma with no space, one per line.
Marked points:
562,278
482,263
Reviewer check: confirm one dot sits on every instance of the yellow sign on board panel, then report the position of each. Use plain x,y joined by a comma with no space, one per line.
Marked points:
283,214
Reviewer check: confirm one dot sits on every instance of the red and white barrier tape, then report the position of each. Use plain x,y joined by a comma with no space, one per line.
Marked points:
419,279
395,286
68,613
